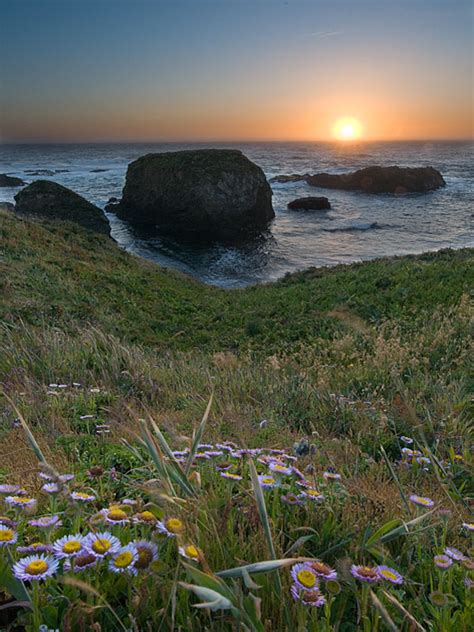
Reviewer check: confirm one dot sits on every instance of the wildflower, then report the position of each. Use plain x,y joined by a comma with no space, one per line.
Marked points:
7,536
365,573
69,546
304,576
36,547
443,561
390,574
297,472
147,554
304,483
213,453
323,570
171,527
421,501
46,522
144,517
35,567
313,494
307,597
291,499
65,478
468,525
439,599
222,466
332,476
129,501
454,554
423,460
50,488
8,522
114,515
278,468
82,497
5,488
82,417
101,544
232,477
407,452
21,501
267,481
469,583
82,561
406,440
189,551
124,560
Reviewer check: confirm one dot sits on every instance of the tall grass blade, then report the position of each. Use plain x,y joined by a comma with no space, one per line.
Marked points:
197,437
395,478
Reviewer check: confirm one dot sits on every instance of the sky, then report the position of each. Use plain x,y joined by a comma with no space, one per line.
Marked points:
146,70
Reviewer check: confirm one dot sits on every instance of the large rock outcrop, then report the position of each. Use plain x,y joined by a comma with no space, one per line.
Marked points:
396,180
10,181
50,200
197,194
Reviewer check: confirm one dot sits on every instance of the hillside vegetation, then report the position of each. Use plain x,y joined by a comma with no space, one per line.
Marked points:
93,341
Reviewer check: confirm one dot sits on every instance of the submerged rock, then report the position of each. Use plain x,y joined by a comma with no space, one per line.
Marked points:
50,200
197,194
395,180
10,181
310,204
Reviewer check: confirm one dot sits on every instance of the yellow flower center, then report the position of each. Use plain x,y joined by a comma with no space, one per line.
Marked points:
101,546
192,551
21,499
117,515
388,575
174,525
37,567
313,492
366,571
72,546
306,578
123,559
147,516
6,535
268,480
279,467
82,495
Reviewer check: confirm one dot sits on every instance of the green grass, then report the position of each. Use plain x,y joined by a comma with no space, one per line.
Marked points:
350,358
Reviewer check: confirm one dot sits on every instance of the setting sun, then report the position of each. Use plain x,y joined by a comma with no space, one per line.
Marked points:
347,129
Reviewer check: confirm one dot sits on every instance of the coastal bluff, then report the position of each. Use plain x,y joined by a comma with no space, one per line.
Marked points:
197,194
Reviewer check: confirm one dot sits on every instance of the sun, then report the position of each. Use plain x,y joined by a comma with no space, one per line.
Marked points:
347,129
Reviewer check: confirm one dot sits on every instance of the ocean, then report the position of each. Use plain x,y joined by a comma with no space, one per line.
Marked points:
358,227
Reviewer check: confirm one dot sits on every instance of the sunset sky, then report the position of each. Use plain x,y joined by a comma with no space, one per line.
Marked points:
81,70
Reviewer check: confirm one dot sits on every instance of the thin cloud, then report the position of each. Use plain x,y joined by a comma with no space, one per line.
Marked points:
324,34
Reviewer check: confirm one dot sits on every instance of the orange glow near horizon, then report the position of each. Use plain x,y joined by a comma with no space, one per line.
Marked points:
347,129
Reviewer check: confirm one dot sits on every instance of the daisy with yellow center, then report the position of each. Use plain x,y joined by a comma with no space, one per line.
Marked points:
115,515
69,546
190,551
124,560
7,536
101,544
20,501
147,554
145,517
304,576
35,567
171,527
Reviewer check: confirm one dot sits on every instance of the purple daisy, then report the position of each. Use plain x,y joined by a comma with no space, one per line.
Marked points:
231,476
35,567
267,481
443,561
304,576
124,560
82,497
147,554
69,546
5,488
421,501
312,494
83,561
365,573
279,468
406,440
390,574
20,501
101,544
312,598
454,554
50,488
46,522
322,570
7,536
36,547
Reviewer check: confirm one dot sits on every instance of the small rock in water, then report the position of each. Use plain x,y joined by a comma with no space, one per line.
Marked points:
10,181
310,204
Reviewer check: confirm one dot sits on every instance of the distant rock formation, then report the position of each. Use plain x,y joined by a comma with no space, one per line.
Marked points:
294,177
310,204
395,180
7,207
10,181
50,200
198,194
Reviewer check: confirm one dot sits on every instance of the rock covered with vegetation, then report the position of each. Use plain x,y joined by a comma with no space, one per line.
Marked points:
197,194
50,200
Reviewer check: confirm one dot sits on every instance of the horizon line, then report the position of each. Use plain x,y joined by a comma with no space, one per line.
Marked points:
231,140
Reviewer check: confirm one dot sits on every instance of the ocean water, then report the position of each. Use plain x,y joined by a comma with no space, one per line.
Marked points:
358,227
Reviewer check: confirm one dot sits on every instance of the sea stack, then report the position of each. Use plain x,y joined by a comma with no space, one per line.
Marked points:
198,194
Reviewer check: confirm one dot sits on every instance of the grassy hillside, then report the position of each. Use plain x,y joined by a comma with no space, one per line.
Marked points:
350,358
